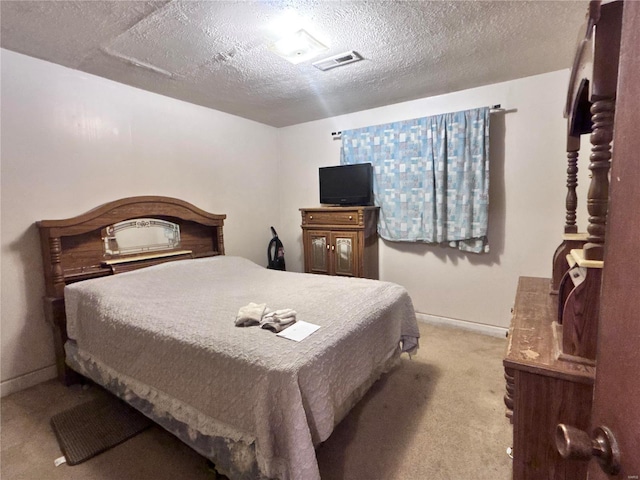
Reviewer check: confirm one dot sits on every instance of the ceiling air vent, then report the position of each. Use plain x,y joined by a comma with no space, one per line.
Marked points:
337,60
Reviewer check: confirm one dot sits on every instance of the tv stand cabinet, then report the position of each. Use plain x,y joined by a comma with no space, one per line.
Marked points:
341,241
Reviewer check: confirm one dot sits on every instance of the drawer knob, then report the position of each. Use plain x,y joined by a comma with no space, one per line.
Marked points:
310,217
350,217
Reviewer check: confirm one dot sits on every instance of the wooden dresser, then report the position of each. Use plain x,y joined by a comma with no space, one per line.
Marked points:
340,241
543,389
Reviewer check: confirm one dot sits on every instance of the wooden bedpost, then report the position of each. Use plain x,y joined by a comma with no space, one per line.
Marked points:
53,302
55,314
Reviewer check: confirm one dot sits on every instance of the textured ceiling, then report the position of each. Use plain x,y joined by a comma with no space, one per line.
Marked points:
216,53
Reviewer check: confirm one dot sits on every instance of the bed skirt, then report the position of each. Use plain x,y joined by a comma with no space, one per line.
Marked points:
233,453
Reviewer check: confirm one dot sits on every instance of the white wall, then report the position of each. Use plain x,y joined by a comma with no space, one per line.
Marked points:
72,141
527,193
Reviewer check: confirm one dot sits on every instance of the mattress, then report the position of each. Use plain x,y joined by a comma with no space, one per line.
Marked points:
164,338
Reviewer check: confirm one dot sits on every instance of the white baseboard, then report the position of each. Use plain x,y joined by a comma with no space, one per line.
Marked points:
482,328
27,380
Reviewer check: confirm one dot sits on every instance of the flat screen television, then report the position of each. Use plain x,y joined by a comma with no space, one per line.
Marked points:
346,184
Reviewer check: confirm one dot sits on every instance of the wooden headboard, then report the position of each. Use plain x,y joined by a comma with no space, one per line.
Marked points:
73,249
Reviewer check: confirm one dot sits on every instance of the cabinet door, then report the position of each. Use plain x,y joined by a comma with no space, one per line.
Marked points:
317,252
344,251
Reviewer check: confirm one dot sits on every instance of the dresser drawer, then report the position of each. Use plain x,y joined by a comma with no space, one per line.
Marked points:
324,217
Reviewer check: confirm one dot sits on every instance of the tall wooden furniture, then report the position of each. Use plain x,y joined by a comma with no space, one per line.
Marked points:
616,404
550,364
543,388
579,289
590,108
340,241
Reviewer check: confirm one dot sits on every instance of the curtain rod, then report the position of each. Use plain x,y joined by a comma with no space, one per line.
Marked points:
493,109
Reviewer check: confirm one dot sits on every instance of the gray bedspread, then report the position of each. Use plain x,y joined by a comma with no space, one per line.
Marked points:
168,332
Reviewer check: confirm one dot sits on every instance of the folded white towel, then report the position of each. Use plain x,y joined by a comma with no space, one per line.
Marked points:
280,314
250,315
278,320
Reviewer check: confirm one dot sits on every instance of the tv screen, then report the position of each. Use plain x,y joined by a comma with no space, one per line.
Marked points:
346,184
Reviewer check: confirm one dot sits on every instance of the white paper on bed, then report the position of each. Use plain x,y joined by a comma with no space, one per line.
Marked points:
169,330
298,331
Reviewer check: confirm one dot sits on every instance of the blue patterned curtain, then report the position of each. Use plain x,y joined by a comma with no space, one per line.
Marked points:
431,177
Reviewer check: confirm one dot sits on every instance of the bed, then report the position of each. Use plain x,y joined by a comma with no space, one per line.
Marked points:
153,322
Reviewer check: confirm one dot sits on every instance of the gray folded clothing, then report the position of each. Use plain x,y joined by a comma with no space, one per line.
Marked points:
250,315
278,320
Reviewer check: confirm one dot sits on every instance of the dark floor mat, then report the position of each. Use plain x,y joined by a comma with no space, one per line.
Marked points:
96,426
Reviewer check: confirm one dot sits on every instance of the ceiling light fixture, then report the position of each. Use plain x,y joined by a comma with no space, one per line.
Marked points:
298,47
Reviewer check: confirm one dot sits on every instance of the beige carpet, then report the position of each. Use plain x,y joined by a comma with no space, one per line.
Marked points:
438,416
